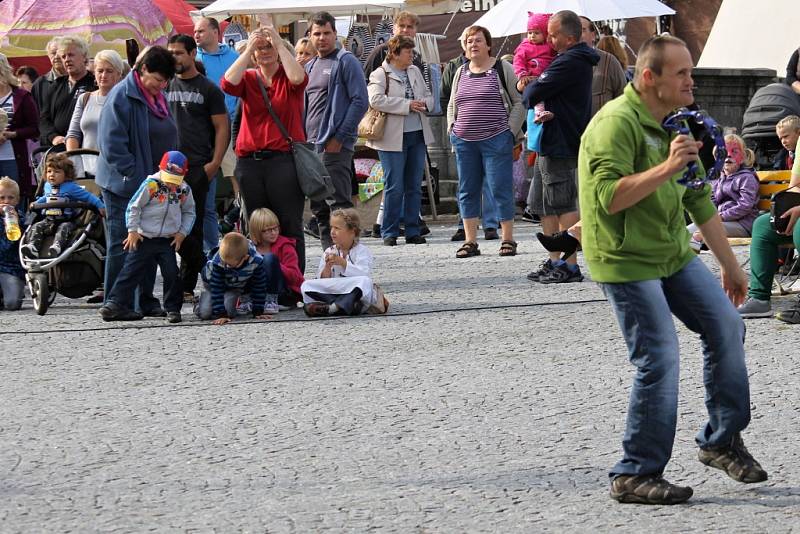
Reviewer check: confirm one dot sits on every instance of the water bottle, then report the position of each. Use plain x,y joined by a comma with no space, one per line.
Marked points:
11,220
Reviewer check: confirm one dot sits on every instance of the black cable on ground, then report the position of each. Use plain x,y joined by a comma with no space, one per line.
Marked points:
303,319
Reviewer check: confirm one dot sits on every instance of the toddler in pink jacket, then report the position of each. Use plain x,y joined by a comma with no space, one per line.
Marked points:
533,56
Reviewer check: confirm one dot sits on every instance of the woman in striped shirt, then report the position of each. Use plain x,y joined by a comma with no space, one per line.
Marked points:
484,118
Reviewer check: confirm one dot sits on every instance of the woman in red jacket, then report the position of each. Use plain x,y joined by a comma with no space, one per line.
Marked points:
265,234
23,124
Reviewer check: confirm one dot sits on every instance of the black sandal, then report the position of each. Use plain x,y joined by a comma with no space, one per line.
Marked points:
468,250
508,248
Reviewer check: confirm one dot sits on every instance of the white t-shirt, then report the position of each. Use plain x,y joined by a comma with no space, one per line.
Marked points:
7,104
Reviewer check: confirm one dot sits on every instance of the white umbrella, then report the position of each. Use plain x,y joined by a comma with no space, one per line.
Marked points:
222,9
510,17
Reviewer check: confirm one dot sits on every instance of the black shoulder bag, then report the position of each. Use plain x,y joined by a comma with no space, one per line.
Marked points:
782,201
313,177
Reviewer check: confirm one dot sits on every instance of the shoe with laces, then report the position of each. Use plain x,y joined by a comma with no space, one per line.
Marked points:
562,274
735,460
174,317
545,268
416,240
648,489
754,308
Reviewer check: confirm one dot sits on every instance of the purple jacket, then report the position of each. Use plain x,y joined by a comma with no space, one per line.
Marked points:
736,197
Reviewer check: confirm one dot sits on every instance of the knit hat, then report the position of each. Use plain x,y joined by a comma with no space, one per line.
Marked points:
538,21
173,167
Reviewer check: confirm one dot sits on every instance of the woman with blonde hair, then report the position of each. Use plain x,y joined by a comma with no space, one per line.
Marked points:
109,69
610,44
304,51
21,122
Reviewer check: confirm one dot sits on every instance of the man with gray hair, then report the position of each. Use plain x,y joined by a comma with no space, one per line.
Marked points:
41,87
56,111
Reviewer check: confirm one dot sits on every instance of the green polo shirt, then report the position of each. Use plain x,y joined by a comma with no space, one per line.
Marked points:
648,240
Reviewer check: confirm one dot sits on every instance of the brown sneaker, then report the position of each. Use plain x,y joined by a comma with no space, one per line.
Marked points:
648,489
735,461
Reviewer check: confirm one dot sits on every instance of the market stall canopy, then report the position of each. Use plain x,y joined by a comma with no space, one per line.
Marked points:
27,25
771,28
285,11
510,17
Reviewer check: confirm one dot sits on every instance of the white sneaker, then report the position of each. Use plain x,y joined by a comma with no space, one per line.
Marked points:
754,308
271,308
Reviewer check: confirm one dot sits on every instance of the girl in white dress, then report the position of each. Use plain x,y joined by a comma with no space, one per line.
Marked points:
344,283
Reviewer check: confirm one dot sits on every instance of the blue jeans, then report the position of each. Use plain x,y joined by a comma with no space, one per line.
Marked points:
149,253
116,232
12,289
489,161
644,311
210,222
402,176
488,210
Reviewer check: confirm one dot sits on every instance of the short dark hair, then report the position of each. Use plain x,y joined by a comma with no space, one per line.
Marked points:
188,42
472,30
570,23
214,23
28,71
398,43
62,163
651,54
157,59
321,18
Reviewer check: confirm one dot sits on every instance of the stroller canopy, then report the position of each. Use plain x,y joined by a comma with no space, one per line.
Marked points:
768,106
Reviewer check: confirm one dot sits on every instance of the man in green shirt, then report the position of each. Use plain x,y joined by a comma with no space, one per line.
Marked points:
636,246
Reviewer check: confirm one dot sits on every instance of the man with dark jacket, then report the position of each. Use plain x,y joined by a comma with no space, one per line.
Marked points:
566,90
57,107
42,85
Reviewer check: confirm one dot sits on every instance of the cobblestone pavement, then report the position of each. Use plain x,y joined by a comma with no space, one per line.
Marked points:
484,403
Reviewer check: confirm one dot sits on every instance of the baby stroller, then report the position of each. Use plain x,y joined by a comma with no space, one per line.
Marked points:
78,270
767,107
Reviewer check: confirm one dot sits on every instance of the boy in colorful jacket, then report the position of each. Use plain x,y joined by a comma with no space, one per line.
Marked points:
159,217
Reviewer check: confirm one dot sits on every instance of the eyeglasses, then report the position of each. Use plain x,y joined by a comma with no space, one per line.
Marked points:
271,230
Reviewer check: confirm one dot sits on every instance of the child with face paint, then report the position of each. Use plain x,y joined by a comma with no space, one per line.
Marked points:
735,193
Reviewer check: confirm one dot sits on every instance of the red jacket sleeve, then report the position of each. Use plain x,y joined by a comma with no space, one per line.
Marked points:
290,264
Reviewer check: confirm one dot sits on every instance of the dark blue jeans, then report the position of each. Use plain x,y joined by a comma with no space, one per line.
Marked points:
139,263
644,311
116,232
402,193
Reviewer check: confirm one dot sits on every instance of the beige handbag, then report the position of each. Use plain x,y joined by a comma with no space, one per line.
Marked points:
373,123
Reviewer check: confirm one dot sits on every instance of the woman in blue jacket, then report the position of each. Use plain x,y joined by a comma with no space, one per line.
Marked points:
135,130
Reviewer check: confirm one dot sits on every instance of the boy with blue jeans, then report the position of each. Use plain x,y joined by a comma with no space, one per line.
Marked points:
159,217
236,271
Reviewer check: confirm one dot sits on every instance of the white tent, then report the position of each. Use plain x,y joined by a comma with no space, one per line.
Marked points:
510,17
753,35
295,9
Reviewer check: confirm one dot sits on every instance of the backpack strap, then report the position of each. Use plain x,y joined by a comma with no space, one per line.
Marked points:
498,67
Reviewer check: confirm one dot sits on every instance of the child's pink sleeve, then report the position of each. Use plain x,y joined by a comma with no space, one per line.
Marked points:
520,68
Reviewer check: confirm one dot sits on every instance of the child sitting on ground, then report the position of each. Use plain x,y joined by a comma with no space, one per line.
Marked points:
12,275
159,217
533,56
280,256
344,278
60,223
735,193
235,270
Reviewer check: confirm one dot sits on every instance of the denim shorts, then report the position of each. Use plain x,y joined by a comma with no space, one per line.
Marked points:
555,186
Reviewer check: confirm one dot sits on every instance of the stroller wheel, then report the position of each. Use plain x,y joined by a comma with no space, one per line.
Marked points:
40,292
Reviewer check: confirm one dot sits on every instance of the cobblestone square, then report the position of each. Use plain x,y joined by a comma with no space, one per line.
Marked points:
481,403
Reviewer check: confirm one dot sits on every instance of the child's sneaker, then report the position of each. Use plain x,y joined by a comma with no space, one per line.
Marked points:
244,307
271,304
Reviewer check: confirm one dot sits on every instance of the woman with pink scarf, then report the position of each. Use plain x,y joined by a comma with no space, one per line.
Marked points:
134,131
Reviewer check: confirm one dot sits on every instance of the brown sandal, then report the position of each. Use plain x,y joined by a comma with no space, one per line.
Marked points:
508,248
468,250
